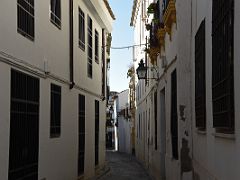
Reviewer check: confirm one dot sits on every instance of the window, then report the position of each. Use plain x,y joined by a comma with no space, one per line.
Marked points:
56,12
81,29
81,133
96,46
24,127
25,19
174,116
103,64
155,117
90,53
200,84
222,65
55,126
96,132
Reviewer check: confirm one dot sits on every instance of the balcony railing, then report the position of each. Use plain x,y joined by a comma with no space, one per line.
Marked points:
169,16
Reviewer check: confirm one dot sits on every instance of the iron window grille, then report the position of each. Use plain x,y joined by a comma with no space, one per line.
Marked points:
81,29
55,125
174,116
24,127
96,132
103,67
200,83
25,18
155,117
90,51
96,46
81,133
56,12
222,65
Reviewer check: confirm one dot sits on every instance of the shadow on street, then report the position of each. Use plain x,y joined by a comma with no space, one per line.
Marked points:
124,167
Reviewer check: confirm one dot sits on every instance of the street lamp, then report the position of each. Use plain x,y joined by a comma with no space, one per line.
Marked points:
142,71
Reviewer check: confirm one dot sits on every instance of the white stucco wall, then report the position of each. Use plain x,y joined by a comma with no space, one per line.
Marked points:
215,156
52,45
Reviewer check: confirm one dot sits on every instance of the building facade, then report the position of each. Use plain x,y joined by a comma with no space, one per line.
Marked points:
186,118
124,126
53,61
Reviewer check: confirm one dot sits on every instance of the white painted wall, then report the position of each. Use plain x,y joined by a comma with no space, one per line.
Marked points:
215,156
124,129
52,45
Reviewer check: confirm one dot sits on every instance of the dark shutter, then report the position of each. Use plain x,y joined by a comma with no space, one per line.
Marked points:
155,117
96,132
200,84
90,51
222,64
24,127
81,29
55,125
81,133
174,116
25,19
56,12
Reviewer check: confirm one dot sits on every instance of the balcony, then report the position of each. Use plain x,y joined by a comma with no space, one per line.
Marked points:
161,35
169,16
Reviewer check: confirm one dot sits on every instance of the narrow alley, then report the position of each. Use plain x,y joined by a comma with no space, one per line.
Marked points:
123,167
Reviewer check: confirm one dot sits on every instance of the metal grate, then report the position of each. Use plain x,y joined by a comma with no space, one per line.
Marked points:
56,12
24,127
81,133
222,64
25,11
200,84
90,51
103,67
96,132
155,116
81,29
174,116
55,128
96,46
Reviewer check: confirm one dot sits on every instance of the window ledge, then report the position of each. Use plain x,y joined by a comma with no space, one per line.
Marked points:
225,136
56,24
201,132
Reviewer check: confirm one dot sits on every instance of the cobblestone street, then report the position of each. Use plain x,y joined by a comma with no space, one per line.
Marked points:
124,167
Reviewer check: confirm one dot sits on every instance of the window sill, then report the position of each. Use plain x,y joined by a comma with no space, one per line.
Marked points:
223,135
57,25
81,47
201,132
26,35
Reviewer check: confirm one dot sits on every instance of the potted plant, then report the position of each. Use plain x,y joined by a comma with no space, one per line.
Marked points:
151,8
148,27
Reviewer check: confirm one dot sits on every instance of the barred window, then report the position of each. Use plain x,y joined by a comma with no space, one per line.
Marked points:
25,19
56,12
200,84
55,126
90,53
96,132
222,65
81,29
81,133
174,116
103,66
155,118
24,127
96,46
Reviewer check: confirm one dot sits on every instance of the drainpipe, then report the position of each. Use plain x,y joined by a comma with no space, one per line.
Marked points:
71,43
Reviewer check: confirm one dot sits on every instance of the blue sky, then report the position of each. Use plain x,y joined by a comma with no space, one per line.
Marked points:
122,35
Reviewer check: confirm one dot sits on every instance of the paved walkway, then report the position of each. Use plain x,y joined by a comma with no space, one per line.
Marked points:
124,167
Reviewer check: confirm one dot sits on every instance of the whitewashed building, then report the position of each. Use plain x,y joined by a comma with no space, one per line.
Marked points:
187,119
123,122
53,88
